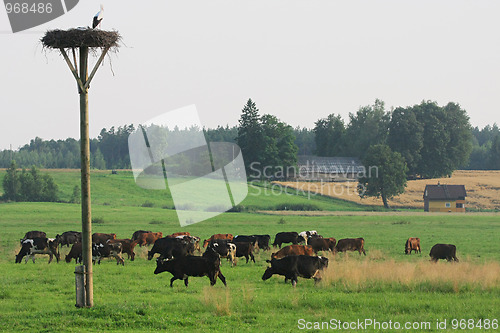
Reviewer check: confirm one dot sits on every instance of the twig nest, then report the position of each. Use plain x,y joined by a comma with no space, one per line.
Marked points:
80,37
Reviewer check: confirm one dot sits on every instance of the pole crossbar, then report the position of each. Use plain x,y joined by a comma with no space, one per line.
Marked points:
94,70
73,70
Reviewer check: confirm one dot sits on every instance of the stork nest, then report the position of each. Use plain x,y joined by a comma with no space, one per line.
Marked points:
74,38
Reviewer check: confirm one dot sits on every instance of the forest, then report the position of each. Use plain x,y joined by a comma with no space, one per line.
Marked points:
424,134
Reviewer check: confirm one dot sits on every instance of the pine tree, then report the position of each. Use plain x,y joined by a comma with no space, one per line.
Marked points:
250,137
11,184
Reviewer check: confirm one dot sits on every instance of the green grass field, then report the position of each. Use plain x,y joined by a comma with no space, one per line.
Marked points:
385,285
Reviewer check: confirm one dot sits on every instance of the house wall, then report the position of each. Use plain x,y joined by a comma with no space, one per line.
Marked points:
440,206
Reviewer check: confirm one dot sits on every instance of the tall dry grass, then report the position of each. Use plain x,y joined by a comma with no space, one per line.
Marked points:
483,190
370,273
217,300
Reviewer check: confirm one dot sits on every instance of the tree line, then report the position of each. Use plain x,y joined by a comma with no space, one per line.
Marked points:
434,140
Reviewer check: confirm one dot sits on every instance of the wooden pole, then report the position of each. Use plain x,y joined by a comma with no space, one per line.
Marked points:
85,178
80,286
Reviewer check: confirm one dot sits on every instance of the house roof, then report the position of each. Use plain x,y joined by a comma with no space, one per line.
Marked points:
319,164
445,192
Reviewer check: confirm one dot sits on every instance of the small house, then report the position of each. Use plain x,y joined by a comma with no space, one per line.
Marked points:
444,198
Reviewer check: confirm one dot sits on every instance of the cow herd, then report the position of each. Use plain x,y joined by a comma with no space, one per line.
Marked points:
177,251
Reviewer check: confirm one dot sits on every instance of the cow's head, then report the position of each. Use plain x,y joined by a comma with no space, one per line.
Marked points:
269,271
163,265
19,258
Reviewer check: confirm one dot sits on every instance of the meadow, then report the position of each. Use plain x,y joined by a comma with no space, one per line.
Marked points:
385,285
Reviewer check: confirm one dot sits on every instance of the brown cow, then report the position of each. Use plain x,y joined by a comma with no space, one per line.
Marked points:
127,246
351,244
322,244
149,238
98,237
217,236
75,253
412,244
176,234
293,250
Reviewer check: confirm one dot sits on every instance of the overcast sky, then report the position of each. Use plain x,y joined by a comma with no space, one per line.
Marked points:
298,60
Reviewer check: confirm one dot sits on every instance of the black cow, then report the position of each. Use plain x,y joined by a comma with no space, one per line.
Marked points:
135,235
351,244
171,248
245,239
286,237
443,251
38,245
183,267
244,250
69,237
263,241
33,234
292,267
104,250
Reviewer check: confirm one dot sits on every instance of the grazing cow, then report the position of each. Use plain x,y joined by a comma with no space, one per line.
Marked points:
183,267
217,236
135,235
443,251
286,237
306,234
245,239
263,241
177,234
105,250
293,250
412,244
171,248
224,248
101,238
33,234
149,238
294,266
244,249
38,245
69,237
351,244
192,239
75,253
127,246
322,244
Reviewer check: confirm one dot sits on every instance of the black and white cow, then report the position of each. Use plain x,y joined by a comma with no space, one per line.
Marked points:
38,245
225,248
292,267
304,235
106,250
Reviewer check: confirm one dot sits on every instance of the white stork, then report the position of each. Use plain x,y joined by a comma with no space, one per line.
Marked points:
98,18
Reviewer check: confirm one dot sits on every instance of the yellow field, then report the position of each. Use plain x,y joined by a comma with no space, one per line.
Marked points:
483,190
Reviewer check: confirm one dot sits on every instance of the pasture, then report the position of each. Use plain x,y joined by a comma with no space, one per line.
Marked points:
385,285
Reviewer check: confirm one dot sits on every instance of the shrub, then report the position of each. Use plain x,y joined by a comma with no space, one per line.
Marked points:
147,204
97,220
